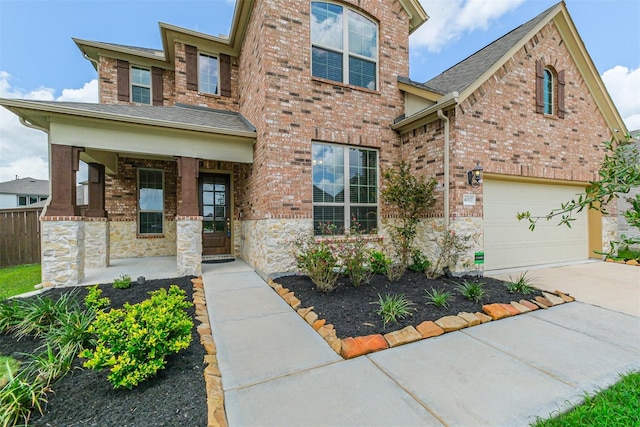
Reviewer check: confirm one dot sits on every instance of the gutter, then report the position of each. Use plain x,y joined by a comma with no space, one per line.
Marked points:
446,166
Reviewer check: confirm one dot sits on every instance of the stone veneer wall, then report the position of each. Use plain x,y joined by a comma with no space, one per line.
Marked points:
609,231
96,243
63,251
125,242
189,246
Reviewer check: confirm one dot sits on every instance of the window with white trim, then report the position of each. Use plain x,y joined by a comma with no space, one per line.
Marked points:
344,45
345,188
150,201
140,85
208,73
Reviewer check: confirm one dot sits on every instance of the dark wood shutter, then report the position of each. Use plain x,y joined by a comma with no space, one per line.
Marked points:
122,69
561,109
191,53
225,75
539,87
156,85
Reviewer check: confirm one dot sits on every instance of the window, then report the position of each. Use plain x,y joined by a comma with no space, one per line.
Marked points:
22,200
150,201
344,45
336,169
208,73
140,85
548,92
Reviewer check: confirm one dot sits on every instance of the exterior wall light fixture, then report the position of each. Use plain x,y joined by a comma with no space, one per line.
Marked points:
474,176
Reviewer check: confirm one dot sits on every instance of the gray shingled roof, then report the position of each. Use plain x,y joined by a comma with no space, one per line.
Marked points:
408,81
179,113
465,73
29,186
118,47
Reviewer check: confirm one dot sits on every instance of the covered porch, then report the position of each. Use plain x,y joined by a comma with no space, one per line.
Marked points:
155,184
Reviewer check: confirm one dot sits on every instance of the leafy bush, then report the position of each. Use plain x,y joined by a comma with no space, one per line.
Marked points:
93,302
450,246
134,341
11,313
420,263
41,313
316,260
379,262
122,282
473,291
395,271
438,298
353,256
520,285
393,307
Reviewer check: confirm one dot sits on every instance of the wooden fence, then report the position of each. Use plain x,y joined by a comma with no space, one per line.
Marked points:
19,236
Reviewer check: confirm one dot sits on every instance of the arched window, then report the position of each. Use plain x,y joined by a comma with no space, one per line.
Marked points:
344,45
547,89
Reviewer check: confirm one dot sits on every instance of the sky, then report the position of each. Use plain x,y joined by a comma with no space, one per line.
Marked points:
39,60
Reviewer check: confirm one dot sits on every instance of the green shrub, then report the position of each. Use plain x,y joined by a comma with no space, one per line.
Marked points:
134,341
11,313
393,307
438,298
473,291
317,260
354,257
122,282
419,263
521,285
93,302
379,262
395,271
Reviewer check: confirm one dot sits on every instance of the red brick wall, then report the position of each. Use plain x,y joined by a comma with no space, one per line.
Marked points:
290,108
498,126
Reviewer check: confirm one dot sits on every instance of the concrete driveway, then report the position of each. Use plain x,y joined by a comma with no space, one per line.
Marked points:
604,284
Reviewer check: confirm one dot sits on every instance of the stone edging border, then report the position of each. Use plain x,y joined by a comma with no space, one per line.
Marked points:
351,347
630,262
213,380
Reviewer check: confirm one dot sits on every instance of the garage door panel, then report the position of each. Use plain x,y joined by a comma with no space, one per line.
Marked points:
509,243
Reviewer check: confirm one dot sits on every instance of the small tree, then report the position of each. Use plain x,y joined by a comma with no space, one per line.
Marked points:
411,196
619,173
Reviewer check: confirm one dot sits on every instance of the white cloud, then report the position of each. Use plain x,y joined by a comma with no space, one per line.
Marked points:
623,85
24,151
451,19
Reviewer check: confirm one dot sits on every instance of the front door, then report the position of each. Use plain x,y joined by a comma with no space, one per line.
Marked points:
215,208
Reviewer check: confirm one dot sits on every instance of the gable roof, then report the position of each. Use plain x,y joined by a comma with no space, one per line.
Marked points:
468,75
27,186
179,116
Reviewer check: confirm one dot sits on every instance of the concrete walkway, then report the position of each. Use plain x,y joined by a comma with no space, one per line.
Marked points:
277,371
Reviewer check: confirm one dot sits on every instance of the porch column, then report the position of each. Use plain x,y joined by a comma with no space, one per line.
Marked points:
188,220
63,251
65,162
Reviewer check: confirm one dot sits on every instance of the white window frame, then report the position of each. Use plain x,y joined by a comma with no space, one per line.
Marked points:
200,80
139,222
346,54
132,84
347,204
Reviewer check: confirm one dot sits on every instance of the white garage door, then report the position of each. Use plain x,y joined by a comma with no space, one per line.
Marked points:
508,243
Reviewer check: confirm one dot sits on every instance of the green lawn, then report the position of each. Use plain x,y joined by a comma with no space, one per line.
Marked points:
19,279
618,405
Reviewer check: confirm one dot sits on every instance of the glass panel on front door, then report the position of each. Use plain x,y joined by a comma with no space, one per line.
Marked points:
214,208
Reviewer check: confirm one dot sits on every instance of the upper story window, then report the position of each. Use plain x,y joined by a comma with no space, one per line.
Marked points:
30,200
344,45
208,74
345,188
140,85
547,89
550,88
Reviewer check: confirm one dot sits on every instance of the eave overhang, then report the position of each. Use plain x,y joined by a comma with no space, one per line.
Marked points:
426,115
417,15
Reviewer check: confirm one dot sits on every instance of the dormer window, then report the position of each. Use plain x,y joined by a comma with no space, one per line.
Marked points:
344,45
140,85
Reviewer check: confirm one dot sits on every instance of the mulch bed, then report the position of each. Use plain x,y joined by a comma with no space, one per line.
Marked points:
353,313
175,397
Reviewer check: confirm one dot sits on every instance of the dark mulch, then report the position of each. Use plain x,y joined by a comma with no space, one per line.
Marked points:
175,397
351,311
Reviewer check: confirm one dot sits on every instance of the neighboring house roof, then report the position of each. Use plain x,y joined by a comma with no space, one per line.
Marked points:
464,78
178,116
27,186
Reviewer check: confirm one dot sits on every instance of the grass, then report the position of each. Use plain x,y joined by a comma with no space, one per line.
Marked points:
521,284
393,307
618,405
8,366
19,279
438,298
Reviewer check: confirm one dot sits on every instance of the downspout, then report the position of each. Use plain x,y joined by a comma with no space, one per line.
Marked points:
446,166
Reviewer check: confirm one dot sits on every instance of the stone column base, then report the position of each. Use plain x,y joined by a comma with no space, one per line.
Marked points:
189,245
63,251
96,243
